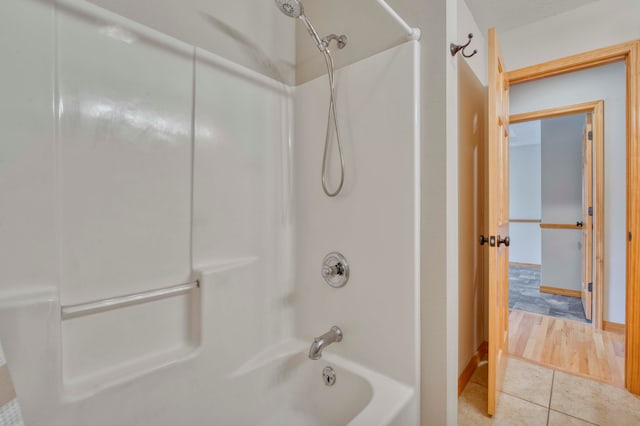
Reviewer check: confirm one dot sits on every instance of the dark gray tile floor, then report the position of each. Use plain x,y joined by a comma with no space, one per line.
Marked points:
525,295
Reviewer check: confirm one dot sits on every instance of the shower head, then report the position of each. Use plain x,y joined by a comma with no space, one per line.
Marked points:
294,9
291,8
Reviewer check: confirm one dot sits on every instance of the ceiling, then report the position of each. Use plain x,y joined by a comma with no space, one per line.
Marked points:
507,14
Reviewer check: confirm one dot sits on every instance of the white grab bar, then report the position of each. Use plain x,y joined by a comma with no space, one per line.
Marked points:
412,33
82,309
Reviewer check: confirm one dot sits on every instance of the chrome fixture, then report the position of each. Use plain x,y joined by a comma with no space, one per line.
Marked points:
331,118
341,41
319,343
329,376
294,9
335,270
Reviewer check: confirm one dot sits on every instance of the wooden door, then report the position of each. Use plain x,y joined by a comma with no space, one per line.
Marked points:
587,219
498,219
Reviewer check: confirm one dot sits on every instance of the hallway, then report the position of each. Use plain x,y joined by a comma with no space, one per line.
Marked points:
525,295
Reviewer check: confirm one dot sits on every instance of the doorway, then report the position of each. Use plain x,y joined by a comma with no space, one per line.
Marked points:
556,330
556,197
500,84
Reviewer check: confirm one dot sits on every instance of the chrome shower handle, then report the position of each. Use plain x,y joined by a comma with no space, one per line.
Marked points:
329,271
335,270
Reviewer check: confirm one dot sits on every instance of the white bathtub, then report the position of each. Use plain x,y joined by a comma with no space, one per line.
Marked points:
358,397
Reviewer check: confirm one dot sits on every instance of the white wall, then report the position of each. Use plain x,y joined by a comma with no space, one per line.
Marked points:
607,83
562,166
525,180
525,203
128,165
562,139
526,243
372,221
595,25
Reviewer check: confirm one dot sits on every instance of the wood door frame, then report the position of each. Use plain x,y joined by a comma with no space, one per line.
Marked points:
596,108
628,52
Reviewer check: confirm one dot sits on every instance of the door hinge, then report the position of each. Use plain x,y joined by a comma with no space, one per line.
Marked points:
630,236
590,135
590,211
590,287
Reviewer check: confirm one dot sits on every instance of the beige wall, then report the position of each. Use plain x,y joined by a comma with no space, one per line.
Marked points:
471,130
472,80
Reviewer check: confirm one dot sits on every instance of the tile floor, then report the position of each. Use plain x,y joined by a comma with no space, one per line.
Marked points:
525,295
535,395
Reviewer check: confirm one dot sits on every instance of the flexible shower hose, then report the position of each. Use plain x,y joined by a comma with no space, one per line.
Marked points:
332,117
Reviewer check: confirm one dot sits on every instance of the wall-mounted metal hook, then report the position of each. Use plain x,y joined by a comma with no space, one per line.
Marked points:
455,48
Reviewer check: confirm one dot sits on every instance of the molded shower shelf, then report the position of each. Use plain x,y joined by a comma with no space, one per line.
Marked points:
115,346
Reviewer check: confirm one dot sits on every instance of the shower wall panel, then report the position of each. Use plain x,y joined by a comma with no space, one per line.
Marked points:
99,197
372,222
28,260
242,222
27,202
124,149
241,163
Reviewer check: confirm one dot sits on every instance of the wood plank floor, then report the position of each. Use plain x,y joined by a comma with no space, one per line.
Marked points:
570,346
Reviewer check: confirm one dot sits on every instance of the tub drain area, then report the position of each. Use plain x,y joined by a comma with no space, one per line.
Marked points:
329,376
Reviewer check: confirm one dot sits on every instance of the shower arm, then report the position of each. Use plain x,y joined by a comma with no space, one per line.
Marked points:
412,33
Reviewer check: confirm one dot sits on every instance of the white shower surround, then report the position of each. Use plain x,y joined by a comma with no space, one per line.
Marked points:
373,223
249,173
